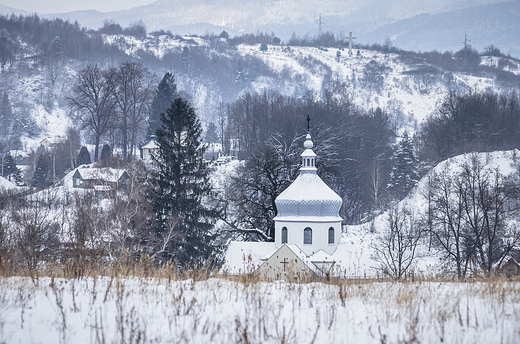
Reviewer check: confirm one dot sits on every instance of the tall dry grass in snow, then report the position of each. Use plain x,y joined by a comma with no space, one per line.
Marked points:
143,303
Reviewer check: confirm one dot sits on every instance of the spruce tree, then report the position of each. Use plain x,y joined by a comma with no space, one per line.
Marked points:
6,117
42,176
405,167
164,95
83,157
106,155
181,183
9,169
211,133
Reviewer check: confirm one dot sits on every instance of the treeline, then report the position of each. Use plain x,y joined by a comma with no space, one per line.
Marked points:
472,121
353,145
23,37
31,36
360,154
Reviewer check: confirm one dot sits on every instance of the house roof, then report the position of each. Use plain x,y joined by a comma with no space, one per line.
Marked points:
106,174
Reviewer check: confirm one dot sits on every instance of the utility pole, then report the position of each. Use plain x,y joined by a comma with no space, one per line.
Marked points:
320,21
466,40
350,38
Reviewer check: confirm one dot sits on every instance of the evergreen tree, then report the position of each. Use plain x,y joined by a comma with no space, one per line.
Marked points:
164,95
181,183
106,154
42,176
405,169
83,157
211,133
9,169
6,117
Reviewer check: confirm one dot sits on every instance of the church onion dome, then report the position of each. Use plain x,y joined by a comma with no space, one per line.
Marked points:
308,196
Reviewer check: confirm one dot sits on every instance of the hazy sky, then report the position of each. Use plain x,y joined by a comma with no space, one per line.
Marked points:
56,6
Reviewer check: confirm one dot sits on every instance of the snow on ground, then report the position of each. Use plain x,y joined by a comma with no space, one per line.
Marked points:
220,175
157,45
6,185
131,310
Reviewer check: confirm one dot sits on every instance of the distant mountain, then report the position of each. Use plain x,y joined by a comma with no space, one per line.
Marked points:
280,16
497,24
9,10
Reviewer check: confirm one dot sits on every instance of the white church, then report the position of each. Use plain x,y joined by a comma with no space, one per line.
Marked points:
307,233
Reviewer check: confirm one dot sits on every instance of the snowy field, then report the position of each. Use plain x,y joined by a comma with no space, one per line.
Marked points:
140,310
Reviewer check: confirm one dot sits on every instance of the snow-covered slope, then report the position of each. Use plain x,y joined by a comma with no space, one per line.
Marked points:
213,72
408,91
361,239
6,185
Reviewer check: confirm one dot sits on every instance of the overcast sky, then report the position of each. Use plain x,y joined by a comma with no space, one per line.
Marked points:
57,6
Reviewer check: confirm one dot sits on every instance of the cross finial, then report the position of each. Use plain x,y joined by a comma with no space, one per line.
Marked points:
308,124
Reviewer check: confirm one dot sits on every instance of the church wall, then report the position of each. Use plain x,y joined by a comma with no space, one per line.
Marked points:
320,235
284,264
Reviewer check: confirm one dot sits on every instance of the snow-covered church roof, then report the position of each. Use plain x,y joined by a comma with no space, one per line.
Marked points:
308,196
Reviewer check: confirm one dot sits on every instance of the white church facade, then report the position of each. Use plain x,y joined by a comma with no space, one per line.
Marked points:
307,232
308,210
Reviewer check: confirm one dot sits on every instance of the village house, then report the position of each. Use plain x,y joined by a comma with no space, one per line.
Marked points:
99,179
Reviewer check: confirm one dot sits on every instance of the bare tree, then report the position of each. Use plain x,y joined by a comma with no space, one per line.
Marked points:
92,101
35,226
127,221
253,190
396,248
469,215
376,182
133,88
488,204
5,233
447,219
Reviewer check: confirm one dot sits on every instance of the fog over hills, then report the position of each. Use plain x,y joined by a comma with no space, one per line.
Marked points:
497,24
7,9
411,24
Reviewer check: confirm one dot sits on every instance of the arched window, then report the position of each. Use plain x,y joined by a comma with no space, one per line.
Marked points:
331,235
307,236
308,162
284,235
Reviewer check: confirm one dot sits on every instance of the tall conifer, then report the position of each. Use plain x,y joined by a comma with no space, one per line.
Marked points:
164,95
405,169
181,183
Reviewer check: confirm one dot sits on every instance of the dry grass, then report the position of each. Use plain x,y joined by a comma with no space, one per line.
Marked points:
140,301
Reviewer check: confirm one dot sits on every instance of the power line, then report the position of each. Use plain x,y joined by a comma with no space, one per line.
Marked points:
320,21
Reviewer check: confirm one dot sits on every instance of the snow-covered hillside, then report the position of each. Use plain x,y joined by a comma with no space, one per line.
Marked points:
409,92
362,239
215,71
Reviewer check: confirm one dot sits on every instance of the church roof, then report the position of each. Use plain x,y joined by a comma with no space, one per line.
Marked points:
308,196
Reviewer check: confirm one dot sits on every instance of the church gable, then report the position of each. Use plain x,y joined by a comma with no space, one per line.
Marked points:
284,264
